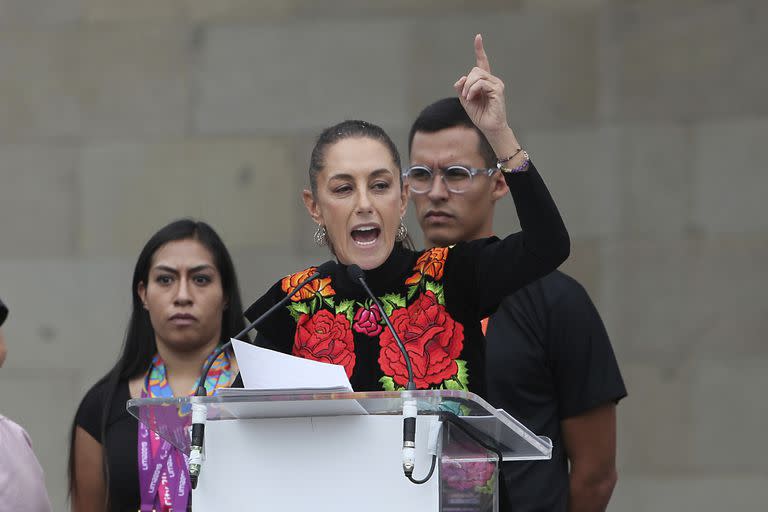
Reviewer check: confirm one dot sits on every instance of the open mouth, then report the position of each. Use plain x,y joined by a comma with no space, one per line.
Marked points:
365,235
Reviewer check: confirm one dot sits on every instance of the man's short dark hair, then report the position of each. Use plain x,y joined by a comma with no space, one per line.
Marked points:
3,312
448,113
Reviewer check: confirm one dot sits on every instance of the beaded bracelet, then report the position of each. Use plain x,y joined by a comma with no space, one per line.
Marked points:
520,168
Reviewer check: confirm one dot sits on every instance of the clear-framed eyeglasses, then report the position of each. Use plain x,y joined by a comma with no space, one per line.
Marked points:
457,178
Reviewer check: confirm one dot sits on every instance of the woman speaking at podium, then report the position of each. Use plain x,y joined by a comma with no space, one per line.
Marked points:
436,298
185,301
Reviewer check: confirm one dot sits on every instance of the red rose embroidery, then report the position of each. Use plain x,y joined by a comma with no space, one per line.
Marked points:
367,321
431,337
327,338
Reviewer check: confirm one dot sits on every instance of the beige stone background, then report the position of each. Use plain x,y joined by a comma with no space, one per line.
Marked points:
649,120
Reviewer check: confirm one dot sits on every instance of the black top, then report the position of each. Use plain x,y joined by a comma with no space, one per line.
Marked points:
121,444
436,300
548,358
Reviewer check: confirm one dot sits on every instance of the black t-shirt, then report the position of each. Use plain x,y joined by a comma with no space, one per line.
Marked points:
548,358
121,443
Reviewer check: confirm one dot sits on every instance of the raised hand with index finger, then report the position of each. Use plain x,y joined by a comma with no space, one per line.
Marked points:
482,96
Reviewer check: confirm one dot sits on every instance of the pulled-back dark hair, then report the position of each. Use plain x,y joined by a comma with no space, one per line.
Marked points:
449,113
139,346
348,130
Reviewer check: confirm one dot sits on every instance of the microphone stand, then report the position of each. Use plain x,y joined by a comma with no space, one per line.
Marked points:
410,410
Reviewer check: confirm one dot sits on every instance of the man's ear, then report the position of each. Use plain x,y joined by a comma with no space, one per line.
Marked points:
312,207
499,186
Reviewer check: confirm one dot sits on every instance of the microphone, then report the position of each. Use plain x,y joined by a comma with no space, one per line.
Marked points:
410,410
199,411
356,274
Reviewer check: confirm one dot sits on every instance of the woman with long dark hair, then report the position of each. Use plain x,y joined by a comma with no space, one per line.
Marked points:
186,302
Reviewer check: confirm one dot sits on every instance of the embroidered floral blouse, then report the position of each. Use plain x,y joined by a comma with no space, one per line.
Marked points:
436,300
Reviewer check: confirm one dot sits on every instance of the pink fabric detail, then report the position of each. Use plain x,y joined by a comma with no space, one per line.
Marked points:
22,484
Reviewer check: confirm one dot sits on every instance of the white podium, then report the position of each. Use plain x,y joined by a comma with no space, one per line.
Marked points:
335,451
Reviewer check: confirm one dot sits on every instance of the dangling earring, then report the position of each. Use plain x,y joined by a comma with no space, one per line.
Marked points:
402,232
321,236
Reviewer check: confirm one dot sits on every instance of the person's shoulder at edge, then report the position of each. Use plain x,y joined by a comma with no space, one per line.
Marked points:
96,393
556,286
88,415
29,484
11,429
562,285
554,291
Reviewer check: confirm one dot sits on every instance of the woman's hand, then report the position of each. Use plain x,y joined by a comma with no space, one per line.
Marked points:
482,96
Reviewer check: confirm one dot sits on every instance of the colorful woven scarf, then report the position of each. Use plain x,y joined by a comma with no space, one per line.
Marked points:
163,470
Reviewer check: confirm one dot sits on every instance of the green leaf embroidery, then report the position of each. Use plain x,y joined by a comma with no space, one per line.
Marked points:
437,289
460,381
296,309
412,291
391,301
397,300
463,374
327,300
452,384
347,308
387,383
316,303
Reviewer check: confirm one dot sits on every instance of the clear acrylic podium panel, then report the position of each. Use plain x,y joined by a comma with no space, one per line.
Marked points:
468,475
171,418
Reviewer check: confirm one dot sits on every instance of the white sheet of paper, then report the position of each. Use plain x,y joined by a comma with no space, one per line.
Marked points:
262,368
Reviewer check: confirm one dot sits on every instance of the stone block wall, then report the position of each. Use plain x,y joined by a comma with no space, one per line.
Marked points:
648,119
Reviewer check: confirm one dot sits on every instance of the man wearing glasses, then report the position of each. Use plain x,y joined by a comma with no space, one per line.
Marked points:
548,358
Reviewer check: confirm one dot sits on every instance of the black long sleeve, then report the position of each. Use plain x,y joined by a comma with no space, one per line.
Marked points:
489,269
